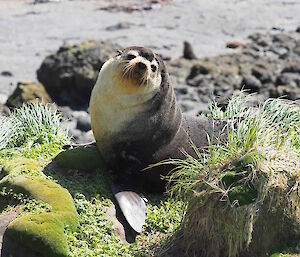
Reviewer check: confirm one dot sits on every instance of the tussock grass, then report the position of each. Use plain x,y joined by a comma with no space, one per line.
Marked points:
32,125
235,183
8,129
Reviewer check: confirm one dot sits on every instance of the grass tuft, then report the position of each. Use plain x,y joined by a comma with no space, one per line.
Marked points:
231,180
33,123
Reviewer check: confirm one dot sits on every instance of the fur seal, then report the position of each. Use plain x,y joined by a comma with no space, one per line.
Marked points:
137,122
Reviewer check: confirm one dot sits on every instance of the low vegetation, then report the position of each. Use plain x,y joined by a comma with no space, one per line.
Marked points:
32,158
254,169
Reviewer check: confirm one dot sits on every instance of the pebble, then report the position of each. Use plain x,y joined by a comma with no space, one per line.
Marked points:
6,73
251,83
84,123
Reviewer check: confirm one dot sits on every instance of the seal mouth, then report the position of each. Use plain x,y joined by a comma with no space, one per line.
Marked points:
137,72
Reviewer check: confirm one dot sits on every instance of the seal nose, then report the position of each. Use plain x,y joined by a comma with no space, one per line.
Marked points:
141,65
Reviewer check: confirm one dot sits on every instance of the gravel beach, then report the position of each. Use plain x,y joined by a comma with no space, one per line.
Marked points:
30,31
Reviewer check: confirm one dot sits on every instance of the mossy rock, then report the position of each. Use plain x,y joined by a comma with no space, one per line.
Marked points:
44,232
80,158
21,166
28,91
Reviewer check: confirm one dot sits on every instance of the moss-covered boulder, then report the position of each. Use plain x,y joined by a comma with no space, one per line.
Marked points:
80,158
28,91
42,232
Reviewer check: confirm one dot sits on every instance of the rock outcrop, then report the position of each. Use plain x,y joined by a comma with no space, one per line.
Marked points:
69,74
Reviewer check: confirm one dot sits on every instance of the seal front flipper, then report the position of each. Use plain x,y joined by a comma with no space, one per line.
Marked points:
131,204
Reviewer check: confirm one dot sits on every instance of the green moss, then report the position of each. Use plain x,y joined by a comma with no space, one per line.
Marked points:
42,232
233,179
243,194
81,158
21,166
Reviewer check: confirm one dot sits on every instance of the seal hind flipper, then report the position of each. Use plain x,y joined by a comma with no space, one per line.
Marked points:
131,204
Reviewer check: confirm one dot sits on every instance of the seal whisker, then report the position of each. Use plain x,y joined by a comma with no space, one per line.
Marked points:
144,79
126,70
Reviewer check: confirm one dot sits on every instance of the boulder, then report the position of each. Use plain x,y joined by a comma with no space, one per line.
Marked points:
70,73
37,234
80,158
28,91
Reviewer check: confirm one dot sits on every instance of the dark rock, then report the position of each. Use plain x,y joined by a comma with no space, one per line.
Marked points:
6,73
251,83
28,91
292,67
199,68
290,91
261,39
84,123
298,29
297,50
234,44
262,74
119,26
279,50
198,81
188,52
282,38
69,74
44,1
181,90
288,79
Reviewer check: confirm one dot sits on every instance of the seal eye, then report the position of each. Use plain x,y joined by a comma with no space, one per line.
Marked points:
130,57
153,67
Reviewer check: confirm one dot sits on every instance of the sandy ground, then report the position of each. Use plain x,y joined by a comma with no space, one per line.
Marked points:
29,32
